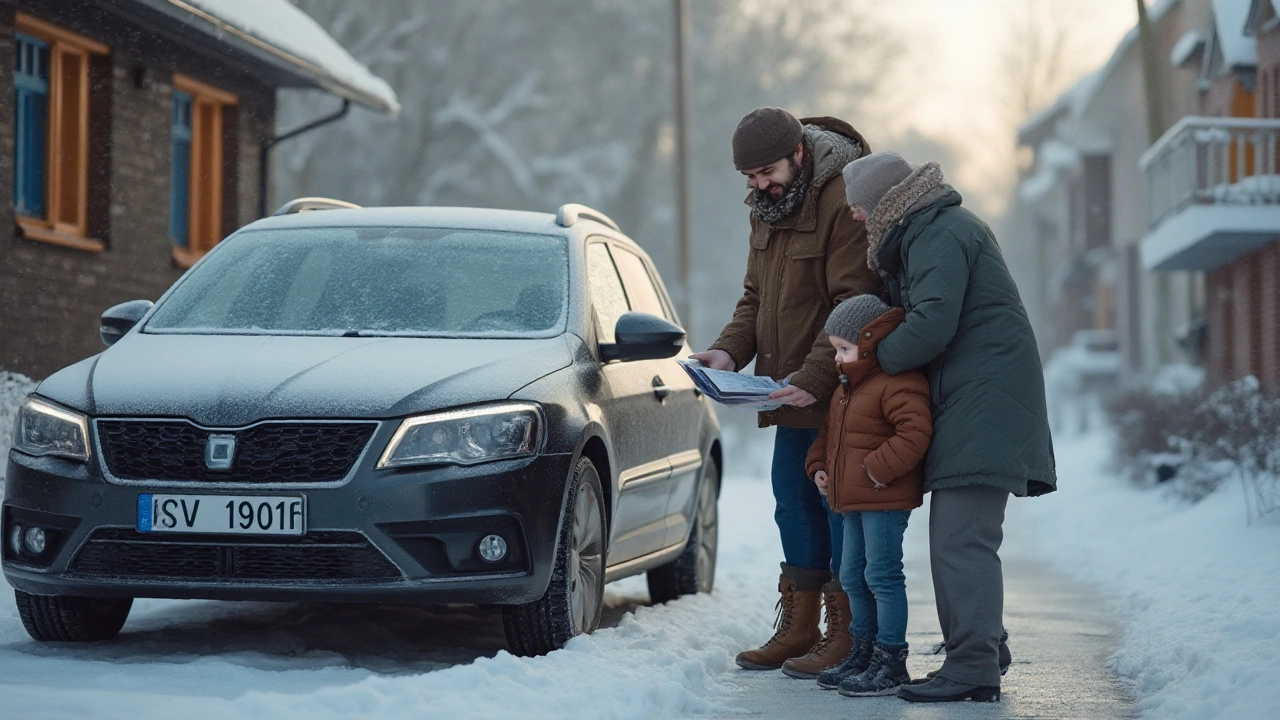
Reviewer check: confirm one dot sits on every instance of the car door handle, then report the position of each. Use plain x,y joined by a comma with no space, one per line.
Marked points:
660,389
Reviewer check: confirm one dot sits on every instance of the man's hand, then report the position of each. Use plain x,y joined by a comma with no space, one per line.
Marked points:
715,359
792,395
820,479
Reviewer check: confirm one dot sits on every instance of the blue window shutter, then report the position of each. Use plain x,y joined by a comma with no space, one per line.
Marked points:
31,81
180,164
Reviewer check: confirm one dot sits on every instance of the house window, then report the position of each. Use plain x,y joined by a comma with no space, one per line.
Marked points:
196,197
51,148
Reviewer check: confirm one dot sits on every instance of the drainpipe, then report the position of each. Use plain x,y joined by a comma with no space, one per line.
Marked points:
264,167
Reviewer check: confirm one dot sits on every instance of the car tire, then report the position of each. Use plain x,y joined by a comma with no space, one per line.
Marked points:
71,618
695,570
575,596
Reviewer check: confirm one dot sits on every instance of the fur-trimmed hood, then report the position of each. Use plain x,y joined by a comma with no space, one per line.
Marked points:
833,148
923,187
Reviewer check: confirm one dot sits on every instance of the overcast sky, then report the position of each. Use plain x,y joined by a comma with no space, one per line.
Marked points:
951,85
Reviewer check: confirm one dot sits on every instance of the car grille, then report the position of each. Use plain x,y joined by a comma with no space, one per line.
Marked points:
267,452
323,557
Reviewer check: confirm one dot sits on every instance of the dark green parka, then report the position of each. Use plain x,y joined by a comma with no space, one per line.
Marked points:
967,328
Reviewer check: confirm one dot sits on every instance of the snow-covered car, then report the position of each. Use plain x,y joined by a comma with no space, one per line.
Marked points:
374,404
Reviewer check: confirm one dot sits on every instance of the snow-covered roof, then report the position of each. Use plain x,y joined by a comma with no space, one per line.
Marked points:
1187,46
1078,97
1065,102
1155,14
1261,13
1055,159
281,32
1230,18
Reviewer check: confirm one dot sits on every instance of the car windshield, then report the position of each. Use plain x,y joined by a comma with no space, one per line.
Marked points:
431,282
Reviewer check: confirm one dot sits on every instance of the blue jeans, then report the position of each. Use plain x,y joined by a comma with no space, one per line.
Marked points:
810,532
872,576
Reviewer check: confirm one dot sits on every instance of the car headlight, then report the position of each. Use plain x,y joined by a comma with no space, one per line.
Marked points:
466,437
46,429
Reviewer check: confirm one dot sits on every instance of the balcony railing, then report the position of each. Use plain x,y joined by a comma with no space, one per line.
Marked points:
1212,161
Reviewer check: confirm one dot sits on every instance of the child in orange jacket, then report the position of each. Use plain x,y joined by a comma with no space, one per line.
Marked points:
866,461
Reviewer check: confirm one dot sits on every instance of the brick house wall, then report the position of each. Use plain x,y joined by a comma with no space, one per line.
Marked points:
50,296
1242,298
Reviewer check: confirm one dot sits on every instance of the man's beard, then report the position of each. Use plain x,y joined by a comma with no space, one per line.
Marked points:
772,210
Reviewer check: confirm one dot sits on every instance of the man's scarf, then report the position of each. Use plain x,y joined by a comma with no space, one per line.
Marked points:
774,211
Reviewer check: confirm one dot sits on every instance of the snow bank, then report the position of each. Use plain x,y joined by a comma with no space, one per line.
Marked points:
264,660
1200,589
13,388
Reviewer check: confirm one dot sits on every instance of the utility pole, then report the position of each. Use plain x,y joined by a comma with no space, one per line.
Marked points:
1150,76
682,130
1155,128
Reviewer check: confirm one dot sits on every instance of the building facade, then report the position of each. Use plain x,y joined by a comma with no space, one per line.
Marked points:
132,142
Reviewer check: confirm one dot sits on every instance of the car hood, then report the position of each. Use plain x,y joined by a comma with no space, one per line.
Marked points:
234,380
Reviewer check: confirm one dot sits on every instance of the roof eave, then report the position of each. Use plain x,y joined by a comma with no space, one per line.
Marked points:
290,70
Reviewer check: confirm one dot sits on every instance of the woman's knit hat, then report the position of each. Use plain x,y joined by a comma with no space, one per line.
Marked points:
868,179
850,316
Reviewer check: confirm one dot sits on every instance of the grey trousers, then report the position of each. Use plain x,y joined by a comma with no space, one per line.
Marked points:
965,532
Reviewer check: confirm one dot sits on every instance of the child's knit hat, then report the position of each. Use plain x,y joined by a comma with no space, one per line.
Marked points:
850,316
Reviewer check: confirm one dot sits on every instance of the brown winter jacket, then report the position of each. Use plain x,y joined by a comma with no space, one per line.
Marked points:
878,423
797,270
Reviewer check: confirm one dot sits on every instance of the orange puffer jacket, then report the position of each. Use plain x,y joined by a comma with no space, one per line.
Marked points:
878,424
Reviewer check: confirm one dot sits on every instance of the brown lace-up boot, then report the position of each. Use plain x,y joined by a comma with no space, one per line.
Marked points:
835,642
797,628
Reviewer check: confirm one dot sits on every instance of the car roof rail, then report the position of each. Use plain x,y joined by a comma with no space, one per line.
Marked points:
570,213
307,204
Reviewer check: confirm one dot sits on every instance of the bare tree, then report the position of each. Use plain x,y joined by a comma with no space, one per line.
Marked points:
1038,57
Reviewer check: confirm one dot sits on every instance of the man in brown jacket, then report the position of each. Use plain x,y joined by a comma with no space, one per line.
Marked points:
807,254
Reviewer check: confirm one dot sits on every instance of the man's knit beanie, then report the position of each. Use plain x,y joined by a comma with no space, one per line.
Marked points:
869,178
765,135
850,316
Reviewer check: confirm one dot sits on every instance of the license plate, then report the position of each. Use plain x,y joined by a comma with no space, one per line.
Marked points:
223,514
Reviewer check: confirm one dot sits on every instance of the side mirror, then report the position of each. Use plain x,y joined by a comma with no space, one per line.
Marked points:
120,319
641,336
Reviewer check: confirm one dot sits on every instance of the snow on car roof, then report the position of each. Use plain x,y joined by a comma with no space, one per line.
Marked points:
292,33
450,217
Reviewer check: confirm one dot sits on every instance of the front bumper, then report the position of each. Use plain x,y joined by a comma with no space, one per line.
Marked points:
407,535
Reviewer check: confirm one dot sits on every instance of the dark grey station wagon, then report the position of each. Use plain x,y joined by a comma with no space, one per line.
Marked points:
374,405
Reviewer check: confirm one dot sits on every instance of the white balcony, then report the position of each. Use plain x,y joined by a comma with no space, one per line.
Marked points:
1213,192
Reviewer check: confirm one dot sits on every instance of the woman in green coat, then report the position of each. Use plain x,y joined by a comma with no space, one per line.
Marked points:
967,329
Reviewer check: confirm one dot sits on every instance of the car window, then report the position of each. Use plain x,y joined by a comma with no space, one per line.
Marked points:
607,295
635,278
374,281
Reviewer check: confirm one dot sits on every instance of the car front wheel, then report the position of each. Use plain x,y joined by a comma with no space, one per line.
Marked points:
571,606
71,618
694,571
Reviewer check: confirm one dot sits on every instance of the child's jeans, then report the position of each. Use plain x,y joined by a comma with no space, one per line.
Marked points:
871,574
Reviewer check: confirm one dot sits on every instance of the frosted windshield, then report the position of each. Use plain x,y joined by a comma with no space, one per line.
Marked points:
374,281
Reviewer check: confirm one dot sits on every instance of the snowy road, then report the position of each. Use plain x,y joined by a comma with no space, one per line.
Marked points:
252,660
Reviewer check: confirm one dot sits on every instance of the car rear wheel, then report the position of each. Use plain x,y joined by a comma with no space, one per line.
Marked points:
71,618
695,570
575,596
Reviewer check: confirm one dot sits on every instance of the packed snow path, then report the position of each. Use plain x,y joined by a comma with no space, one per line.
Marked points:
1060,633
258,660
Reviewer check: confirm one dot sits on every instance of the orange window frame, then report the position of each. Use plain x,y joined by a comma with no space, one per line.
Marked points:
66,220
205,198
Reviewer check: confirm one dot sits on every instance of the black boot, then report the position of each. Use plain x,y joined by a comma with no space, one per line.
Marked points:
1005,658
886,673
854,664
941,689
